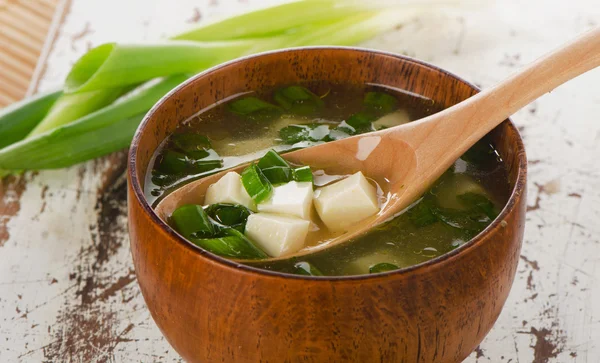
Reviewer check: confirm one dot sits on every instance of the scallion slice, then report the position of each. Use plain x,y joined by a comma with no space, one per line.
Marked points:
191,221
231,244
254,108
187,142
256,184
173,162
231,215
380,102
382,267
271,159
278,174
298,100
203,166
361,121
303,174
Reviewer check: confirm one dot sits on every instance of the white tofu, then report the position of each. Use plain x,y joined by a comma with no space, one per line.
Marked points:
293,199
346,202
229,189
396,118
277,235
455,185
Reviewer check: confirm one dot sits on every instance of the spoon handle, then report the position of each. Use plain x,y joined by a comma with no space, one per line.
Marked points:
441,138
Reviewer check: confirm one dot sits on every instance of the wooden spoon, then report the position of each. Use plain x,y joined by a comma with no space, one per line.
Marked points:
406,160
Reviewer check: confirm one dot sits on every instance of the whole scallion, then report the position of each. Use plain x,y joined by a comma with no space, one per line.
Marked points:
18,119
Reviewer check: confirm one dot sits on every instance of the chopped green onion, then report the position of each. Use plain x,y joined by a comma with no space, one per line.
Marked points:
306,269
162,180
198,154
382,267
189,142
18,119
256,184
479,202
203,166
380,102
297,133
173,162
232,244
303,174
254,108
271,159
278,174
275,168
423,214
361,121
230,215
298,100
191,221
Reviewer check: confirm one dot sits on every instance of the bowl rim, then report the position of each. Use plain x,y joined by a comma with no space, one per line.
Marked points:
518,189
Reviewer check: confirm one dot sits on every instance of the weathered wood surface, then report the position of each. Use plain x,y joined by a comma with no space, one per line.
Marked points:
67,288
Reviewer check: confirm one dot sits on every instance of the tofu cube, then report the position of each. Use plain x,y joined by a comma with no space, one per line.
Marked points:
293,199
346,202
277,235
229,189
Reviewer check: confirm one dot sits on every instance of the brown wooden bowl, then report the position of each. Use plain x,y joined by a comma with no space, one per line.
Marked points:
213,310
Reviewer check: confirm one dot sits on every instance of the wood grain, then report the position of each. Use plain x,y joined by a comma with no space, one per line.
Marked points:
24,28
212,310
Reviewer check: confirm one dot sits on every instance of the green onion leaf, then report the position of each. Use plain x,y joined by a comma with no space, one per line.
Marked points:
162,179
203,166
298,100
306,269
475,201
230,215
380,102
232,244
191,221
303,174
361,121
187,142
278,174
423,214
115,65
256,184
18,119
275,168
254,109
297,133
382,267
173,162
271,159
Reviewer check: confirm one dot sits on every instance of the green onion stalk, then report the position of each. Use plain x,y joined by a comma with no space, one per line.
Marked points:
97,112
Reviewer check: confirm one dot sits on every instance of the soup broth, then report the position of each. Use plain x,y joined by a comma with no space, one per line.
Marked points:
460,205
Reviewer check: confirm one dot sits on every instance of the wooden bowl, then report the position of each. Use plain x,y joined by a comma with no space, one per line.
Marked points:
213,310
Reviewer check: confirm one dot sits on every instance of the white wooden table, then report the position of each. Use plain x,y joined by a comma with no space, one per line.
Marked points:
67,287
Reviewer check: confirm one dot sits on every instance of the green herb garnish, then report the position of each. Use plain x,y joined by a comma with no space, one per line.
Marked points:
382,267
256,184
191,220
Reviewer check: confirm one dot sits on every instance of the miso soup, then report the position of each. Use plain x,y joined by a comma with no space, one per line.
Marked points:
242,219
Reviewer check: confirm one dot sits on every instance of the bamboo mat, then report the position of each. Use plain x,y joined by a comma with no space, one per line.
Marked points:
27,28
